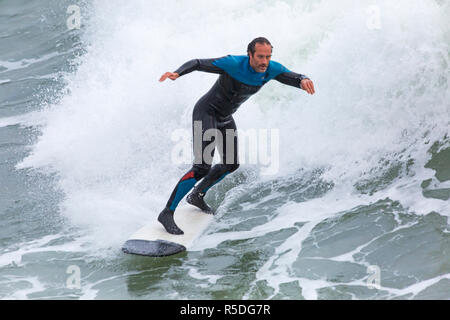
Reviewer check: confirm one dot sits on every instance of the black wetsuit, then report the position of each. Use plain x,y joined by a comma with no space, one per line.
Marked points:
236,83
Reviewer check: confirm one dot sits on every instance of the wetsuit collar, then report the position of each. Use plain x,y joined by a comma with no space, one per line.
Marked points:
250,68
239,68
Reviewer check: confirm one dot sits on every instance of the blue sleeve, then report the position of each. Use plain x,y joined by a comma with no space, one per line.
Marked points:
276,68
285,76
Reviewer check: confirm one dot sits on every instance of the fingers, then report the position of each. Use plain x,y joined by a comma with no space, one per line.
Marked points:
308,86
170,75
164,77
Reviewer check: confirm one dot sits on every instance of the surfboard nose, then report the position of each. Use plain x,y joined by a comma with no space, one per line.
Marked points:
153,248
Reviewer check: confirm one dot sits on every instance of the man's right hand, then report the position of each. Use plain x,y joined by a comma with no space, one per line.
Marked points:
170,75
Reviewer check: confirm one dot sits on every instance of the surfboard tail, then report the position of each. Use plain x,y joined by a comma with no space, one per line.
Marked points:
153,248
154,241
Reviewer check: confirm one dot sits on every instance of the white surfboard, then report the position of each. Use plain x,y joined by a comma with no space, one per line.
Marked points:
153,240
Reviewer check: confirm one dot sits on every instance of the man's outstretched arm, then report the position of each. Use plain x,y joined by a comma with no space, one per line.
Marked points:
296,80
205,65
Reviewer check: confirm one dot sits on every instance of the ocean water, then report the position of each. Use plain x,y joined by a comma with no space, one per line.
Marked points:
357,208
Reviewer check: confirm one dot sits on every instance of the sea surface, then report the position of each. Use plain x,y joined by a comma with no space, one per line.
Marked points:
352,203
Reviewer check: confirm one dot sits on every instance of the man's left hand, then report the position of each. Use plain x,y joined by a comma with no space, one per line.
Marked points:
307,85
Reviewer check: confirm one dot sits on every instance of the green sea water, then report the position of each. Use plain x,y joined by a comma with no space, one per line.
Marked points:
358,209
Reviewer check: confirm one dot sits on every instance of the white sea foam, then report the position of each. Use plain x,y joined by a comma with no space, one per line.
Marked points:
381,97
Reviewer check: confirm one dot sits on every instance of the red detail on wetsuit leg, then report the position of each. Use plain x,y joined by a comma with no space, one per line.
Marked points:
188,175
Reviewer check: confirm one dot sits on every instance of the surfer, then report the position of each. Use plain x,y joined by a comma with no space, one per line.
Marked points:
240,77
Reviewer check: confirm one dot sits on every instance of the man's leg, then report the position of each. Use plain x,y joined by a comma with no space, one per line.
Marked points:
183,186
206,118
229,156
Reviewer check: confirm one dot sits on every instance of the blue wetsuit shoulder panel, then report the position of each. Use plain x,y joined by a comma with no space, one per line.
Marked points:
238,67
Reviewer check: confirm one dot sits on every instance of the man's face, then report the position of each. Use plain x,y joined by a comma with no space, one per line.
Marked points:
260,59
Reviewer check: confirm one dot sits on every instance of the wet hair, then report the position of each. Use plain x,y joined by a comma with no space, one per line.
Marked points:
260,40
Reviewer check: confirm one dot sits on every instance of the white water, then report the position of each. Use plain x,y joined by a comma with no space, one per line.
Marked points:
378,93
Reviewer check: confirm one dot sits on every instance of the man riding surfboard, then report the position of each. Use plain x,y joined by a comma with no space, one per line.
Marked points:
240,77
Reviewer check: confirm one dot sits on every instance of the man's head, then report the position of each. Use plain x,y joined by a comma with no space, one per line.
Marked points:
259,52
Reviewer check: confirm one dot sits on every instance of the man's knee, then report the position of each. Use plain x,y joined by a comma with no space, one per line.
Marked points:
232,167
200,170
